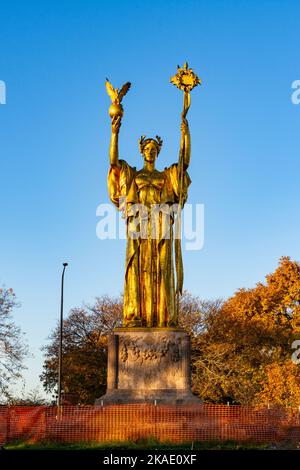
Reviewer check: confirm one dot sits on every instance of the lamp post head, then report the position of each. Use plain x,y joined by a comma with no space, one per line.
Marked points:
65,264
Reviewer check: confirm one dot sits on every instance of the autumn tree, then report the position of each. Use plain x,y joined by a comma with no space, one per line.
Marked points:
85,333
241,348
27,398
281,385
85,343
13,349
246,345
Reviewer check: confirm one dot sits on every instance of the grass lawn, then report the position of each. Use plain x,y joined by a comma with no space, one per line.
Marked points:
142,444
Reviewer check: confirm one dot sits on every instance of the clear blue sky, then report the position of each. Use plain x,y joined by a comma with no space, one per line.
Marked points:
54,137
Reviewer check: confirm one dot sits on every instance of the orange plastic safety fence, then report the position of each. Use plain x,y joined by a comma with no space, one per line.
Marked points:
133,422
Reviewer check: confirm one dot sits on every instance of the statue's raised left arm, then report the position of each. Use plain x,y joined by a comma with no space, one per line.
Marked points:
185,143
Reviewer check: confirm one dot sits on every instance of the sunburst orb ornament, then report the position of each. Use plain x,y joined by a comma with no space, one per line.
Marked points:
185,79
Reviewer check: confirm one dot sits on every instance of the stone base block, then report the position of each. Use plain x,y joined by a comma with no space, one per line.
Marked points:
147,365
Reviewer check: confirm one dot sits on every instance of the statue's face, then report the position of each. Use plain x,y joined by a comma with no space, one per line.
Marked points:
150,152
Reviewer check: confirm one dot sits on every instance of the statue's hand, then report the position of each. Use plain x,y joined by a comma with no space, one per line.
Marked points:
116,124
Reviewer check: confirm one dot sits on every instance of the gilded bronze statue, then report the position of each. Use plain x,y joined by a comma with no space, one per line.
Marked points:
151,201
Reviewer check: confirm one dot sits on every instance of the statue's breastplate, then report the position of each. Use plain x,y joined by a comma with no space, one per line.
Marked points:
149,187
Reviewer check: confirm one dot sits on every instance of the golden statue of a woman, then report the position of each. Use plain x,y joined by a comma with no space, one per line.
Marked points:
151,201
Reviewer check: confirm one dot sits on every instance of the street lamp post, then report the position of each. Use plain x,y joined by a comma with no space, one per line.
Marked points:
61,336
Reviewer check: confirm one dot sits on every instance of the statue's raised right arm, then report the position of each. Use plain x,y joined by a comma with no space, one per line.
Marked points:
114,140
120,174
116,113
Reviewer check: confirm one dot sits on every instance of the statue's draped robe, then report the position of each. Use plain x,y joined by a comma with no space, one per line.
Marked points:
149,291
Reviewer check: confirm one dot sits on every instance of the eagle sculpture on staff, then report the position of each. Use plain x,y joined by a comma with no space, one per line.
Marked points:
116,96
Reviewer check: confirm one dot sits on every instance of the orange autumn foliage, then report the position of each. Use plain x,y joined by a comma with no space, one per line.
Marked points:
241,348
282,385
250,336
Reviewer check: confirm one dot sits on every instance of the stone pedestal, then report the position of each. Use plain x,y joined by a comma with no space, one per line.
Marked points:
148,364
